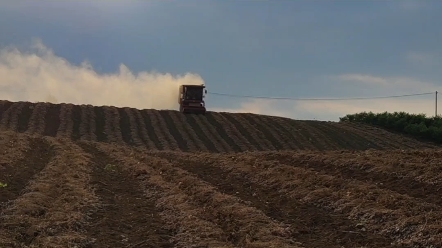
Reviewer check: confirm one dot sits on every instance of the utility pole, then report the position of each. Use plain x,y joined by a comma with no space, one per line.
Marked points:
436,105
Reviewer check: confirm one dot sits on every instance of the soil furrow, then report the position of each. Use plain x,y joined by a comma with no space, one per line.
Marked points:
254,132
245,225
114,119
126,218
174,131
243,131
51,211
24,116
394,182
125,126
66,121
401,140
350,139
9,115
225,132
405,220
310,225
239,139
34,120
268,132
100,122
283,136
291,134
310,134
201,133
52,120
4,106
151,129
142,130
180,120
189,223
18,174
160,130
134,130
212,134
342,140
173,144
381,141
77,120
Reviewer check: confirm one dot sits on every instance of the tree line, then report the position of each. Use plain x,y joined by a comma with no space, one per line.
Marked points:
418,125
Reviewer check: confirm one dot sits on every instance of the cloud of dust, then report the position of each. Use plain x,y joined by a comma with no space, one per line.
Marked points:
38,75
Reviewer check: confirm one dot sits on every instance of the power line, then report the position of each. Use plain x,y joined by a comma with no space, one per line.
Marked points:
317,99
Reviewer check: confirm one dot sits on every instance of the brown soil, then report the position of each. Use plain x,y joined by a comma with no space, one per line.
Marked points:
126,218
214,132
164,179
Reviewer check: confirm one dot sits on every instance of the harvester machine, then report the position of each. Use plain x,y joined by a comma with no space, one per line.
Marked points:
191,99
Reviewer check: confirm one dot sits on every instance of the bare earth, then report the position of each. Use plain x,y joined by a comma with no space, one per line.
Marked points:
85,176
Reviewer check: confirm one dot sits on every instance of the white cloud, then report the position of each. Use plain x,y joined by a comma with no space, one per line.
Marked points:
40,75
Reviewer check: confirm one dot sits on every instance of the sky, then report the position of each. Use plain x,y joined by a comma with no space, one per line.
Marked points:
137,53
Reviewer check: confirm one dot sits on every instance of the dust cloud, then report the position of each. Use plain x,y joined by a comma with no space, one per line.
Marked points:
39,75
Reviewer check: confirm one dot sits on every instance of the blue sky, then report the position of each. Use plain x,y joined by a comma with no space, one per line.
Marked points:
269,48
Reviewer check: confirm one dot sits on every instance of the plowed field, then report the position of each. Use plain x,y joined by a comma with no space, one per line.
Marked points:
85,176
214,132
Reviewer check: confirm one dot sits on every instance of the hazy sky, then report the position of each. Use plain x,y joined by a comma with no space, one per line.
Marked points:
136,53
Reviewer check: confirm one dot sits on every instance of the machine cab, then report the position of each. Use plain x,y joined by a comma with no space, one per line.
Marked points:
191,98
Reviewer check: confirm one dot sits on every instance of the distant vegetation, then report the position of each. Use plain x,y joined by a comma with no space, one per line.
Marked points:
418,125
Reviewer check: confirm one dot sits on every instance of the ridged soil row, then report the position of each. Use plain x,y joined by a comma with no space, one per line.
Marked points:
109,127
100,124
344,140
51,212
125,126
313,138
87,126
66,122
404,219
244,131
290,134
4,114
165,129
15,154
173,129
185,223
323,138
230,133
145,132
189,133
224,132
359,169
12,116
243,225
202,133
379,141
311,225
385,138
134,128
270,133
114,119
53,119
125,216
26,109
255,132
181,128
37,120
354,137
160,130
153,131
227,147
76,121
205,131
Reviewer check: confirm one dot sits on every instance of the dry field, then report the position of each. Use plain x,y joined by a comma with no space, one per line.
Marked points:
83,176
